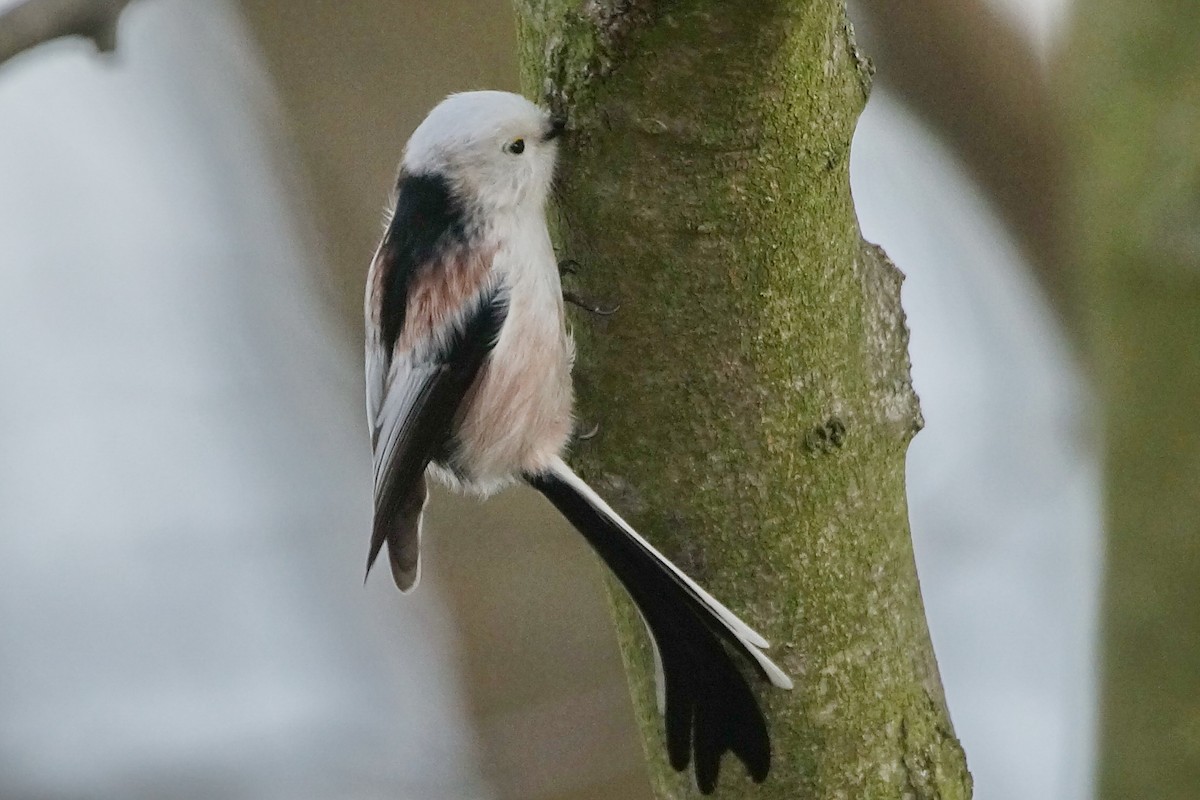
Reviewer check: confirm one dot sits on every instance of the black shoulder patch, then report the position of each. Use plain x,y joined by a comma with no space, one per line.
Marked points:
465,355
470,344
428,218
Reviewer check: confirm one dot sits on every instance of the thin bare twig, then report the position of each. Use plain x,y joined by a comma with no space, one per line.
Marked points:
32,22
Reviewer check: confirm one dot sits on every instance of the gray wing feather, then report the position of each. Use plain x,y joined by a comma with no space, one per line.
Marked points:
419,403
400,490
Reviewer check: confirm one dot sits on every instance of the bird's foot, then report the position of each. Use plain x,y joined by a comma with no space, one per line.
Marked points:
587,305
569,266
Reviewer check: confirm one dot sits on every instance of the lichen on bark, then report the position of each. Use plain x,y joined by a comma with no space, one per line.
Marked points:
753,391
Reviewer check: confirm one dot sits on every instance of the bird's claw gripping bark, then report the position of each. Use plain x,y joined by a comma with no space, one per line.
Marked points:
587,305
589,435
569,266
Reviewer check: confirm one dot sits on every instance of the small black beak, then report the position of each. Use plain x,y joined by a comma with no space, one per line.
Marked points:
558,125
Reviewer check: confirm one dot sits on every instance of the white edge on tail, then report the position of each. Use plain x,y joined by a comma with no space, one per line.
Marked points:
745,634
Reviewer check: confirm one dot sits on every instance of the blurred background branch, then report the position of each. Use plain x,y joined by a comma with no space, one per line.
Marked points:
1134,100
971,74
33,22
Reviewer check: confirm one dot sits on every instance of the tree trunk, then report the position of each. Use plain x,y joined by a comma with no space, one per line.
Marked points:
1137,121
752,392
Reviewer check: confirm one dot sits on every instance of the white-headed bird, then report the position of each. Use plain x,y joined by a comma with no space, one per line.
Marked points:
468,367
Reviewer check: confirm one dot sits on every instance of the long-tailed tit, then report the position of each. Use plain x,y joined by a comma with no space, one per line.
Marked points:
469,382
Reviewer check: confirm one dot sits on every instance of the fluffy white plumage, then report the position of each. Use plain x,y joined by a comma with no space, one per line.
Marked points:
464,138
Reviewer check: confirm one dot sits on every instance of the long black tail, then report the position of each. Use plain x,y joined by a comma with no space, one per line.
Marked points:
708,706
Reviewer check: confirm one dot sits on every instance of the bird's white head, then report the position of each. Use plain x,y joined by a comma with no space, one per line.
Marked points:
495,149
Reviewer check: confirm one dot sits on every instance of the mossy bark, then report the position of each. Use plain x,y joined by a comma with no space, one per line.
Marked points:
1135,103
753,391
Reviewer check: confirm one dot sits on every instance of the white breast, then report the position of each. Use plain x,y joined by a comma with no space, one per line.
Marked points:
519,416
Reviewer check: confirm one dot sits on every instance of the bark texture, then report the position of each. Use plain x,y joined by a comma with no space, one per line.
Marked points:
753,391
1136,104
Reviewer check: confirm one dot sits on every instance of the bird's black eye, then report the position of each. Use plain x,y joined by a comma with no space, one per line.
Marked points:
516,147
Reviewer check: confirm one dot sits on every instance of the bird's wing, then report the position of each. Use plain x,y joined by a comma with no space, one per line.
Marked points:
422,396
434,312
